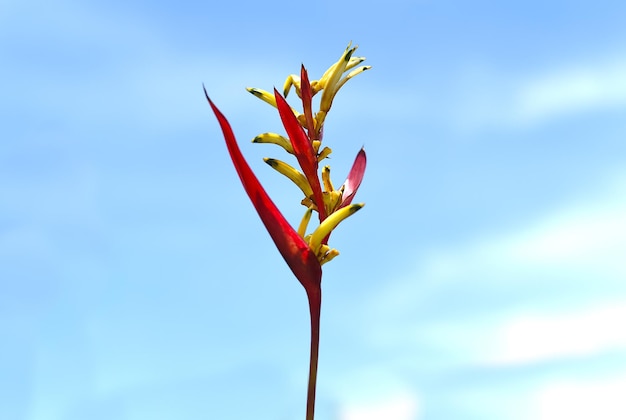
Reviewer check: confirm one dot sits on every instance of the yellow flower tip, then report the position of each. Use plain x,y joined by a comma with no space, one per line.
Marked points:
287,85
276,139
292,80
328,185
354,61
292,173
324,154
305,222
308,202
331,223
331,78
322,251
326,254
329,256
255,91
332,199
348,54
263,95
357,71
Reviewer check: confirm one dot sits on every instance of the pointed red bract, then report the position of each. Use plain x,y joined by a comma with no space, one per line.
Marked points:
292,247
353,181
307,98
303,149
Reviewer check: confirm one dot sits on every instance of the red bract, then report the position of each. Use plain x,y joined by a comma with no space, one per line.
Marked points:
307,98
296,252
353,181
303,149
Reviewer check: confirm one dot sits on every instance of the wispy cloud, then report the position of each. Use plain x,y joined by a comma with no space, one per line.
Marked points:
537,337
98,67
401,406
581,400
504,313
500,286
488,97
571,90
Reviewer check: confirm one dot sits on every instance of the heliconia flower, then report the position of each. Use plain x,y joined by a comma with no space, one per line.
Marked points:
298,253
303,139
304,253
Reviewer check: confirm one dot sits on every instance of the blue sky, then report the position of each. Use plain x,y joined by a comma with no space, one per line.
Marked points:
484,279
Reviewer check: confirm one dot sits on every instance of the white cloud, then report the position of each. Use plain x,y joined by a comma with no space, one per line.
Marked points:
489,97
398,407
577,400
585,234
528,338
589,233
587,241
545,290
375,392
573,237
572,90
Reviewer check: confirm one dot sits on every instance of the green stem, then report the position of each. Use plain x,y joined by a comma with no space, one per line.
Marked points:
315,304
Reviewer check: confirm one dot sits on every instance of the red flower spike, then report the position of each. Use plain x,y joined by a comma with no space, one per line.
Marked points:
307,98
303,149
304,132
353,181
296,252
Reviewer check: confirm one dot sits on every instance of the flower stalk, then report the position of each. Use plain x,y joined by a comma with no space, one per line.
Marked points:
315,306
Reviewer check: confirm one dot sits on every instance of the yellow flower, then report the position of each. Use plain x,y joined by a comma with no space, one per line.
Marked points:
329,84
